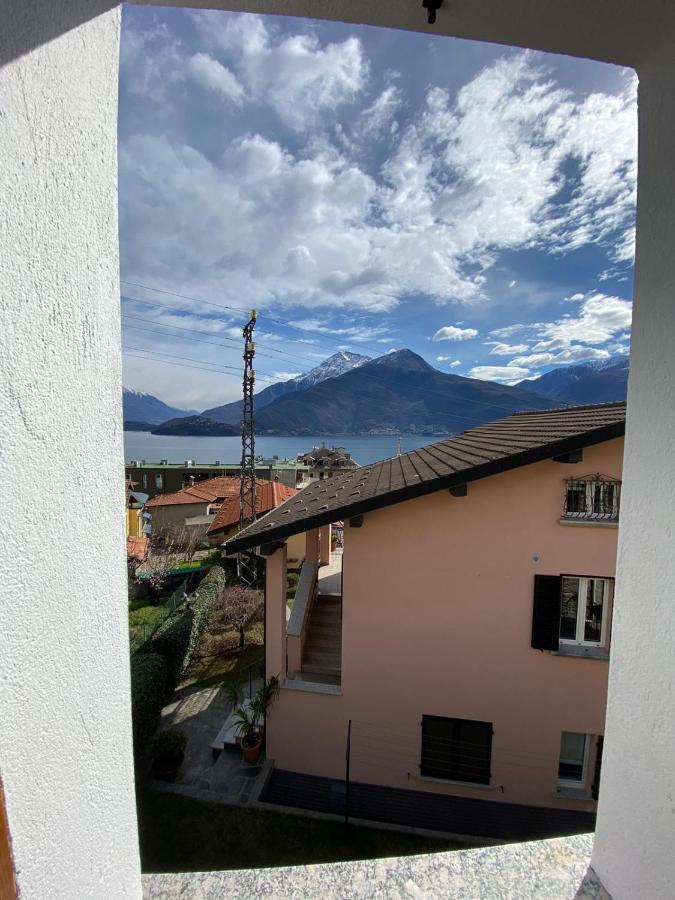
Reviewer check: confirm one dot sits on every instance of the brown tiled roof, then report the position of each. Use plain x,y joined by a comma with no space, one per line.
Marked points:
268,495
506,444
208,490
137,548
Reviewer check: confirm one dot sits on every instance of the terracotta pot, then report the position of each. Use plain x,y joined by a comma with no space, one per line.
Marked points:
250,748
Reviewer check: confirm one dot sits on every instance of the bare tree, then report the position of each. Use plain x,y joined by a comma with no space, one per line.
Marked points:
164,555
241,606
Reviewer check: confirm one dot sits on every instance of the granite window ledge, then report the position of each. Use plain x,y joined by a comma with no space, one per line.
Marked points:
594,523
572,793
556,869
582,652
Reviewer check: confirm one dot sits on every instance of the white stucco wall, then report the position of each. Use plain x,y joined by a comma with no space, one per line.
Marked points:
65,738
635,835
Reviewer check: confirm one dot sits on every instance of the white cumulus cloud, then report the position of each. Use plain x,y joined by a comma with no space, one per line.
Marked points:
213,76
452,333
503,374
501,349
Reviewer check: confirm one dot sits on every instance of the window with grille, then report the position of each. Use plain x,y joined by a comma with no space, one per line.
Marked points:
593,497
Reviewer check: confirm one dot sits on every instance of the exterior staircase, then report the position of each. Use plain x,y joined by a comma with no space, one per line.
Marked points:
322,655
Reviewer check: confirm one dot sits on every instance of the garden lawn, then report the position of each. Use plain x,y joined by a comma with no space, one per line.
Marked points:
178,834
143,622
222,668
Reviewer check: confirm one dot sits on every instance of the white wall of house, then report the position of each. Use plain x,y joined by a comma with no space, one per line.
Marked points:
65,729
65,726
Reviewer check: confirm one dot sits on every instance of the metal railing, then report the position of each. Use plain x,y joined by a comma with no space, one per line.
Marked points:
592,499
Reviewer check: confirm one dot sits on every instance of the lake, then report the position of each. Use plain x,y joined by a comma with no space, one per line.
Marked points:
363,448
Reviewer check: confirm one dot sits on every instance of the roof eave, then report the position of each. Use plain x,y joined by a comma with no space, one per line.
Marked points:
474,473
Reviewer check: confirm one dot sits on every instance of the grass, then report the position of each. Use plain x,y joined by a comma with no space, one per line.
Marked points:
178,834
144,621
220,668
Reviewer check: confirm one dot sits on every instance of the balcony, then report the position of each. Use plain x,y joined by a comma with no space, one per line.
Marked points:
593,498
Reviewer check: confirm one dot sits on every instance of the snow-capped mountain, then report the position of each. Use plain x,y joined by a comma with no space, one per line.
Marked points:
140,407
597,381
333,367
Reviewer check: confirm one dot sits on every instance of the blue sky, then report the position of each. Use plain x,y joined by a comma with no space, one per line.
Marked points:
365,189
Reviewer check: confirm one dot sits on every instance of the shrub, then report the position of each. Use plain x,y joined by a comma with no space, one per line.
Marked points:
148,688
292,579
168,753
169,746
177,638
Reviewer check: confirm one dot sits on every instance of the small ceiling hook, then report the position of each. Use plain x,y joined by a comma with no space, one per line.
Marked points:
431,6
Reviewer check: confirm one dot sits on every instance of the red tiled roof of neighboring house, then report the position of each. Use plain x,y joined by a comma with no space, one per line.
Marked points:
206,491
508,443
269,494
137,548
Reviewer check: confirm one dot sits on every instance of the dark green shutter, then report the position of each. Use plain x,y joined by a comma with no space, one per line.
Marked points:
546,612
595,788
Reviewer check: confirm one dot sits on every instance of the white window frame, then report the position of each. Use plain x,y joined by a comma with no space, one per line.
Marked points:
581,611
567,782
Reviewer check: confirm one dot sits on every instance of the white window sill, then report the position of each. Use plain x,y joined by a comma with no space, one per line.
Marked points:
594,523
581,652
469,784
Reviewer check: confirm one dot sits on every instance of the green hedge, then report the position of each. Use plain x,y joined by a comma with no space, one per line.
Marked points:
178,636
148,689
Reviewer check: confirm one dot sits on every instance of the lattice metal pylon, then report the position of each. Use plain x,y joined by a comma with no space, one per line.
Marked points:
246,563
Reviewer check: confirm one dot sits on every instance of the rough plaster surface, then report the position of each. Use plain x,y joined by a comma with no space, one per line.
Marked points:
636,823
545,870
65,747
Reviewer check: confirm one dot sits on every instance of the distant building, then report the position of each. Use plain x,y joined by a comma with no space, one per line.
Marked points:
165,477
324,462
212,506
135,503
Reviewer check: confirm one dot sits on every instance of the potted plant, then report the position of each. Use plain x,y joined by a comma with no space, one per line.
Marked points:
250,717
248,732
264,698
168,749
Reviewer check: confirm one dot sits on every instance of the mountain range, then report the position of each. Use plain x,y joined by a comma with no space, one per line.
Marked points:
140,407
398,392
599,381
333,367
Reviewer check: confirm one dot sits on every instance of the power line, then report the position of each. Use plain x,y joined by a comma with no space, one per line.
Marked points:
276,320
168,362
191,359
220,337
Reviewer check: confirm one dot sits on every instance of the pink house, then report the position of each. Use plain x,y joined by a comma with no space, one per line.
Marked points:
464,631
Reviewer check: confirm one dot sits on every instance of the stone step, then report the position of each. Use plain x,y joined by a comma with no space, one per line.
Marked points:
326,671
320,615
322,660
333,647
325,626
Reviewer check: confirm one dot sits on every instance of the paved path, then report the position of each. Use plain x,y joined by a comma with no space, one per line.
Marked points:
201,714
